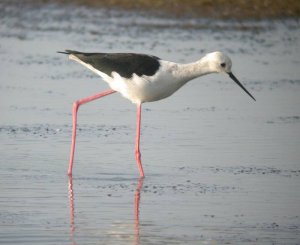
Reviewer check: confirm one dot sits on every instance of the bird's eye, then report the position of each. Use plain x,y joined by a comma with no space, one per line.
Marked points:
223,65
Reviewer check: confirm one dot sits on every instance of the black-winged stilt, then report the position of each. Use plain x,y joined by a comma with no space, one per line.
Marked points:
143,78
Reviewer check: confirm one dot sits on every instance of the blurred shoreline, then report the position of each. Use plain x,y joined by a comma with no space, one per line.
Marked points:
220,9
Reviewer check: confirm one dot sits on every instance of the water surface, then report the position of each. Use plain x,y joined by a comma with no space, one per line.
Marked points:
220,168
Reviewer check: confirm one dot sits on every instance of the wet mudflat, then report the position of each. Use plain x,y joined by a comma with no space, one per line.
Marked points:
220,168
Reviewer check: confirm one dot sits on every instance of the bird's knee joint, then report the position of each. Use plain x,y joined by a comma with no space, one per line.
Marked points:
76,105
137,153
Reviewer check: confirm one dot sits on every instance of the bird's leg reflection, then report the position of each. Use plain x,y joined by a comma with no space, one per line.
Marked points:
137,198
71,205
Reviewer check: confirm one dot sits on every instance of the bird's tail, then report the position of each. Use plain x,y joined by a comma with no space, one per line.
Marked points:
68,51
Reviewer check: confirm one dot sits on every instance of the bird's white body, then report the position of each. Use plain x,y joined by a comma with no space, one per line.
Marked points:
140,89
167,80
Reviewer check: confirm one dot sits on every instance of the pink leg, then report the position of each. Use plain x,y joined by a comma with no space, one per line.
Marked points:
137,140
75,109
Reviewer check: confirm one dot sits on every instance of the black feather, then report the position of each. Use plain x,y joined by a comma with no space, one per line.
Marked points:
126,64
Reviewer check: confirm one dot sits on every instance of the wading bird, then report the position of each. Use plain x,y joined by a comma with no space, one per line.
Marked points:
143,78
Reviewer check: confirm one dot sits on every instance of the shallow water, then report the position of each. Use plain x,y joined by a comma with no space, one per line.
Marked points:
220,168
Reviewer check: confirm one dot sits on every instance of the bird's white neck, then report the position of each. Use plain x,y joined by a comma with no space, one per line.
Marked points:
187,72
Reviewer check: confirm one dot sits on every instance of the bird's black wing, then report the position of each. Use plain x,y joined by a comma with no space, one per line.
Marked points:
126,64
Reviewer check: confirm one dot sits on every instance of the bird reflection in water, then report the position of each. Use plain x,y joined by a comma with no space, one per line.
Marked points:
137,198
72,210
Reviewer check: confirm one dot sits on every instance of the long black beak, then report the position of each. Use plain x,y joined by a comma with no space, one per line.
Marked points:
241,85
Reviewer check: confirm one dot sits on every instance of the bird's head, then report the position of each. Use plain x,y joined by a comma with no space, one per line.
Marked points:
219,62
